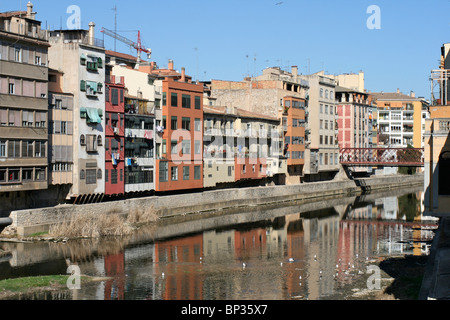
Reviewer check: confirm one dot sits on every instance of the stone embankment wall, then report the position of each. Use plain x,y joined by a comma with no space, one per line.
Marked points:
26,222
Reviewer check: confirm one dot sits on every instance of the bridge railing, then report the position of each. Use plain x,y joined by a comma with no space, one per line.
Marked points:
382,156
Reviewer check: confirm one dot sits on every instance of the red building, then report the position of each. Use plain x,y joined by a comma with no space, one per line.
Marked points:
180,161
114,135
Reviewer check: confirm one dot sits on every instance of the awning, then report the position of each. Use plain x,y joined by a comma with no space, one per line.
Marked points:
93,116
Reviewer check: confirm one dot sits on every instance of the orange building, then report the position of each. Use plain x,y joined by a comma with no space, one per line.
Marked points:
293,123
179,165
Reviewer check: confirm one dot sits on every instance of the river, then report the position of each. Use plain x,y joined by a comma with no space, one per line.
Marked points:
321,250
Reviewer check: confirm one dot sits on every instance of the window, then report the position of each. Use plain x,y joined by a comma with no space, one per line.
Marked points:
17,55
27,174
164,146
186,123
197,173
321,92
186,101
39,150
321,108
186,173
174,173
2,175
197,125
2,149
114,176
11,88
39,174
91,144
99,138
27,149
173,147
82,140
13,175
13,148
197,102
186,146
197,147
230,171
91,176
163,171
82,174
114,97
174,99
174,123
164,98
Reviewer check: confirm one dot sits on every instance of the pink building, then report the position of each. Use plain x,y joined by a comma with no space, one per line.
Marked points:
354,123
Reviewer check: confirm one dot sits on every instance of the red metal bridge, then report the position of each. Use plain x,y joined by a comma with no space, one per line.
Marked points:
392,157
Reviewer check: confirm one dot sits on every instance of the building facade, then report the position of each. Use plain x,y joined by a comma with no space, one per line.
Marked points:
400,117
437,143
321,128
114,135
238,145
80,56
271,94
23,107
354,123
139,145
60,132
180,158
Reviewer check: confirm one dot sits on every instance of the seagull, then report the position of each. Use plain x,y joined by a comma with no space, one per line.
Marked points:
243,265
281,264
300,277
162,275
278,3
291,260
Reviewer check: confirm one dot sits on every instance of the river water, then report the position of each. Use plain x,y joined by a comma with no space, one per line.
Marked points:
313,250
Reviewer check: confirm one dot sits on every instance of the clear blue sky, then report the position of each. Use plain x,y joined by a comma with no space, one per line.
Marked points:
230,39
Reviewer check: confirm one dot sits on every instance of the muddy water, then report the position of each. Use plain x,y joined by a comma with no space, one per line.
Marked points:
325,250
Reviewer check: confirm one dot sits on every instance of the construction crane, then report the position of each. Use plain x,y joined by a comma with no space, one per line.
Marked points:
137,45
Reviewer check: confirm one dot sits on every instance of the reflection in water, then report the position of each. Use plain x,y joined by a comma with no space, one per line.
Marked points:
308,255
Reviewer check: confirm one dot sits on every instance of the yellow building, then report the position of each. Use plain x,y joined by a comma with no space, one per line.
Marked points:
437,161
437,142
400,119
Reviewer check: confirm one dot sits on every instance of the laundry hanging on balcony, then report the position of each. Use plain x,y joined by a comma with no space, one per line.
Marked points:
148,134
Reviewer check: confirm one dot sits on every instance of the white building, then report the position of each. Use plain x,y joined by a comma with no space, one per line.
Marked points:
81,58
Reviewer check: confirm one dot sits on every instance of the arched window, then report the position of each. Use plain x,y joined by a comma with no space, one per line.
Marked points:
444,173
82,140
82,175
99,141
99,173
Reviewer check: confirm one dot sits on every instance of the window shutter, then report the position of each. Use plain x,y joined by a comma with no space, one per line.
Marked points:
83,85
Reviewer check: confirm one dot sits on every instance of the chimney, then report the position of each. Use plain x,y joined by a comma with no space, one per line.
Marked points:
170,67
91,33
294,71
398,90
30,13
183,74
413,94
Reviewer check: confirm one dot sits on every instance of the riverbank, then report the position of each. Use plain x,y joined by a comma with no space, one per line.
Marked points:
195,205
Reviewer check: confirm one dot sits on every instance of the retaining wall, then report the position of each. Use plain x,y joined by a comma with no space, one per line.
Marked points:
26,222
